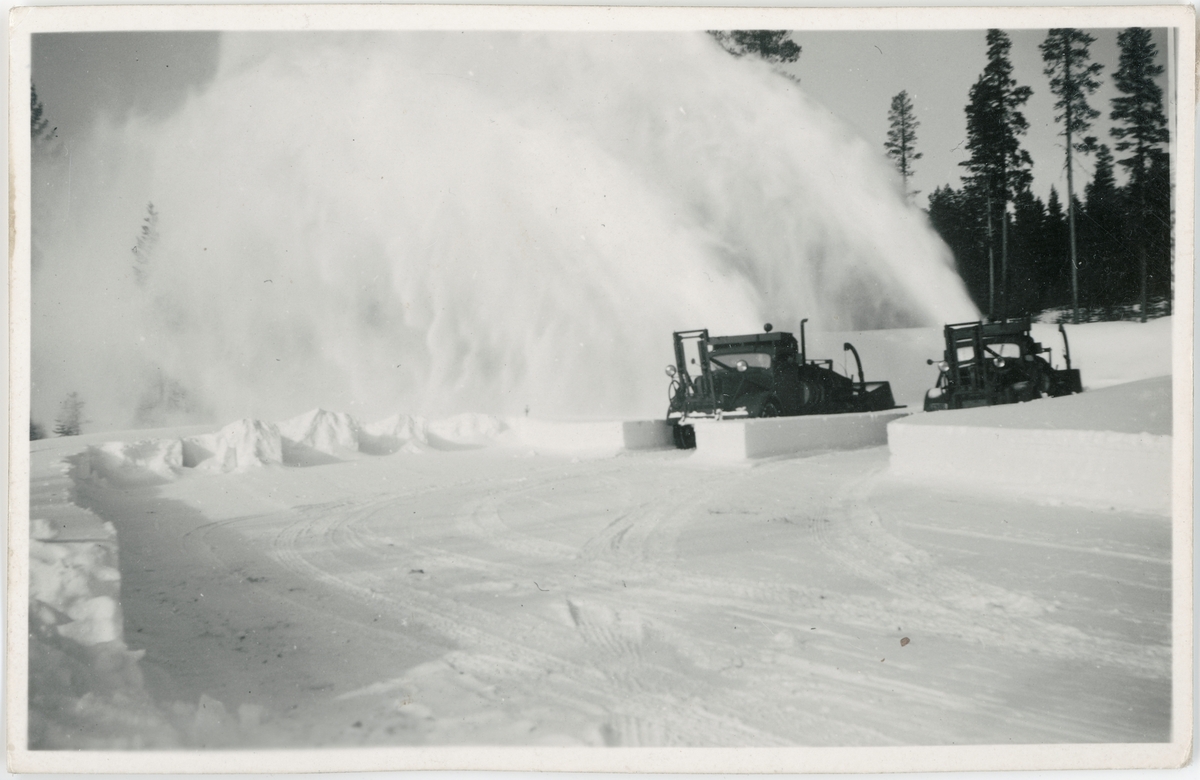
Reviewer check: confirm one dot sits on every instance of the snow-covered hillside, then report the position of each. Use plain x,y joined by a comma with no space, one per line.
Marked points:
479,580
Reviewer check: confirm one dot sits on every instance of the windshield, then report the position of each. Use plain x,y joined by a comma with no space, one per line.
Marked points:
730,359
1004,350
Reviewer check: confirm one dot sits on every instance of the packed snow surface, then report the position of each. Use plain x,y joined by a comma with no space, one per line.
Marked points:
491,589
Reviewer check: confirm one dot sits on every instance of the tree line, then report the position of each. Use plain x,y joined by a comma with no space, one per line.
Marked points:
1110,250
1019,255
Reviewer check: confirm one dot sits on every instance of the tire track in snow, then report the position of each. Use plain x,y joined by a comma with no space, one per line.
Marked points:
941,594
483,634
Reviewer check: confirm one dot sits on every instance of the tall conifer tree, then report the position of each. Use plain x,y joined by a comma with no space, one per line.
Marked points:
1072,78
995,124
1101,235
1142,132
902,137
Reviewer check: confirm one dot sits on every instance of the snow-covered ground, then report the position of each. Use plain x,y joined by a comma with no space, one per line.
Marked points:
476,580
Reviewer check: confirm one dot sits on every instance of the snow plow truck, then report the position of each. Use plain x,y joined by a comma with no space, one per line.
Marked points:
764,374
998,363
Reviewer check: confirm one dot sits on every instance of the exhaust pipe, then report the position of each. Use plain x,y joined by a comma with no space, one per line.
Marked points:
848,346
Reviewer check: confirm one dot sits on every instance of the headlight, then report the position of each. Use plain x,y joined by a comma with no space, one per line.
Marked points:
1000,362
943,366
671,371
742,365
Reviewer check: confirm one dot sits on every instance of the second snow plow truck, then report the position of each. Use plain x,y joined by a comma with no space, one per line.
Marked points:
988,363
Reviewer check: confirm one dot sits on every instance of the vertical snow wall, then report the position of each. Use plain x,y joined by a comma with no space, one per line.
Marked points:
435,222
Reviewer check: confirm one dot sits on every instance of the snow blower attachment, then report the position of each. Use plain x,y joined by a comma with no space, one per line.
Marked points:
760,375
998,363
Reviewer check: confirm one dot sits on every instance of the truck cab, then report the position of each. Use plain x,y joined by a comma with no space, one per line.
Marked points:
764,374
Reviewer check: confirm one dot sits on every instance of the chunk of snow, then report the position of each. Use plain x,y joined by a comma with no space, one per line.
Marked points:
323,431
398,433
242,444
147,461
41,529
93,621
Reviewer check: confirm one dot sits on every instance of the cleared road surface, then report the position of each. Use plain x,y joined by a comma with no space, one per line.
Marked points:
494,596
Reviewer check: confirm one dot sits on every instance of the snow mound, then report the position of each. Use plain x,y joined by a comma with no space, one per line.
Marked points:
242,444
128,464
398,433
323,431
1105,448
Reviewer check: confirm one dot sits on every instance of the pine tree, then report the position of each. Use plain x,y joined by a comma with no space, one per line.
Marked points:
902,137
1072,78
1102,231
1142,132
998,164
1054,242
774,46
1103,185
70,420
1027,266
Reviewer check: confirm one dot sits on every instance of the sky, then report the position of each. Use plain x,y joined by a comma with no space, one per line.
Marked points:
856,74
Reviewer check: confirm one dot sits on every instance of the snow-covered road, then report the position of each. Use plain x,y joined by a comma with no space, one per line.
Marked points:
496,596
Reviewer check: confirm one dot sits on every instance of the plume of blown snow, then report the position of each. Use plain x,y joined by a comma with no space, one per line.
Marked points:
484,221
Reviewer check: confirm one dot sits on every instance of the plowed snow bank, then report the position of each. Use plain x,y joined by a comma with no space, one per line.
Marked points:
1108,447
321,436
118,463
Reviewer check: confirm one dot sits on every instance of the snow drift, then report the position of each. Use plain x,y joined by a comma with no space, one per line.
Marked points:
237,445
440,222
319,437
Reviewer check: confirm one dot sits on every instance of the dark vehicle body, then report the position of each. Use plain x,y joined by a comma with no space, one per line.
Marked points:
998,363
760,375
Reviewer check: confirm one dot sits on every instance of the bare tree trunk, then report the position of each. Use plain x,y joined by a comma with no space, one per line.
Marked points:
991,262
1004,263
1142,261
1071,228
1142,237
